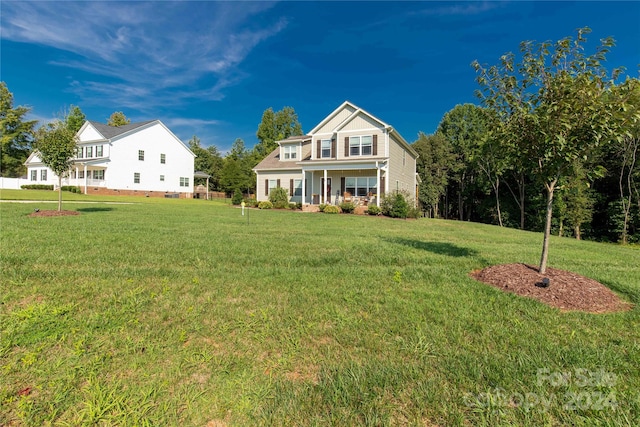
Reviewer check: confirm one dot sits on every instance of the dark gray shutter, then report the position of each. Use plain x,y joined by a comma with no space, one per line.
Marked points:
381,189
333,148
291,187
343,186
278,183
375,145
346,146
266,187
318,145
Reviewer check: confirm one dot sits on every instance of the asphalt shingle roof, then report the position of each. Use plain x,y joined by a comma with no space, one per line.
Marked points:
112,131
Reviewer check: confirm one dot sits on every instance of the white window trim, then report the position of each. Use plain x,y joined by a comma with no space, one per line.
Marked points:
361,145
289,152
322,141
368,187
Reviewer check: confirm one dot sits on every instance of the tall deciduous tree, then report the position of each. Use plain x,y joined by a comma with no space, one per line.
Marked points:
118,119
207,160
16,135
558,93
274,127
75,118
56,144
434,168
236,174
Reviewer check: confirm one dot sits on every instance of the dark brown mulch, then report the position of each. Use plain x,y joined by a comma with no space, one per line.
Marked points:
53,213
566,291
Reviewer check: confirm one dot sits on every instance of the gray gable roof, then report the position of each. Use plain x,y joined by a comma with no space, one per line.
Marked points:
112,131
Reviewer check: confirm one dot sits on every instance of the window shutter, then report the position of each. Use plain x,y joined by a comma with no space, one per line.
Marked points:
278,183
375,145
318,146
346,146
333,148
266,187
343,186
381,189
291,187
322,187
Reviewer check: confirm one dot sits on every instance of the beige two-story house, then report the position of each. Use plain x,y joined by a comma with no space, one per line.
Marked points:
349,155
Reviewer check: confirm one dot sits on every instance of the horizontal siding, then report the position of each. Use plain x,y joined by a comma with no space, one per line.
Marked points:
401,177
361,121
334,122
361,132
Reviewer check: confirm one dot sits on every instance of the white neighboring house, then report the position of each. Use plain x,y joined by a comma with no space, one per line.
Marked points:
136,158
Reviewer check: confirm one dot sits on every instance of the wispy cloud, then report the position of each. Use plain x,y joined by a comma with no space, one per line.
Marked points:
140,52
466,8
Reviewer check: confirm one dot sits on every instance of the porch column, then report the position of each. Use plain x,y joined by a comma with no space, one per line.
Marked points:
324,188
86,180
304,183
77,176
378,185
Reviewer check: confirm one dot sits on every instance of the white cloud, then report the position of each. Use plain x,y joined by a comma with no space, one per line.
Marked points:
141,52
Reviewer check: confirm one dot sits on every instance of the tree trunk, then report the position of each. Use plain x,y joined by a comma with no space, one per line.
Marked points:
59,193
521,191
576,231
547,227
495,189
561,228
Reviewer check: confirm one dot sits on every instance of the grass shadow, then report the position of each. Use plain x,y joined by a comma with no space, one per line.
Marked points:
440,248
94,209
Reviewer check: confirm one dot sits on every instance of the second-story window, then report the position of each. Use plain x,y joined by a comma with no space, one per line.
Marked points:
163,158
89,152
79,153
140,154
98,150
360,145
326,148
289,152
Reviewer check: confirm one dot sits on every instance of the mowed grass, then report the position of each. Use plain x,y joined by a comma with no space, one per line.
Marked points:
184,312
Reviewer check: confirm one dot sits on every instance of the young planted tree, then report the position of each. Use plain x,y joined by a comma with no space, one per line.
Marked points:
559,94
56,145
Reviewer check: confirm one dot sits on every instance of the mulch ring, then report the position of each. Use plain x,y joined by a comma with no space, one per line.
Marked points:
40,213
566,291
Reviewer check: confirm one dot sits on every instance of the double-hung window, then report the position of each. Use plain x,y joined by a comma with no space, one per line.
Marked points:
297,187
98,174
273,184
43,175
136,177
34,175
184,181
79,153
140,154
89,152
326,148
163,158
360,145
98,150
290,152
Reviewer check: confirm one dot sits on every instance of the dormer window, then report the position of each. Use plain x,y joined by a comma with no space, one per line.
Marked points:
289,152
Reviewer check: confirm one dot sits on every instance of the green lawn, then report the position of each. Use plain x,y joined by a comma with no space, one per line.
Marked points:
183,312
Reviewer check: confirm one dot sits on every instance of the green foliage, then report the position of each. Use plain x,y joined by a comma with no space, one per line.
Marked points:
434,165
16,135
71,189
236,170
75,118
251,202
373,210
331,209
279,195
37,187
321,207
208,160
118,119
265,204
347,207
274,127
395,205
237,197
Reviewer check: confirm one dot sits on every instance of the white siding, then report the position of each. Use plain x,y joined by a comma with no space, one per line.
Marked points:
90,134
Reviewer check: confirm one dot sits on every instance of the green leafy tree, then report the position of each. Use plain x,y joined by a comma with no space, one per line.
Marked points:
465,127
557,95
236,171
75,118
16,135
118,119
434,168
276,126
56,146
207,160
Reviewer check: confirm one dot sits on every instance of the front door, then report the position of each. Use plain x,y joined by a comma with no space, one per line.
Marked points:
326,190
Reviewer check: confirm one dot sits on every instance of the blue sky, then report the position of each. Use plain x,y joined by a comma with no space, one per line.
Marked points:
211,68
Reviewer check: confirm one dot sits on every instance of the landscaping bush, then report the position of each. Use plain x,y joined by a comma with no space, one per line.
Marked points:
395,205
37,187
278,196
237,197
71,189
252,203
294,205
374,210
321,207
265,205
347,207
331,209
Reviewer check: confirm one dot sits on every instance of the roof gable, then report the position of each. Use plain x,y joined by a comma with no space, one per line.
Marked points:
109,132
